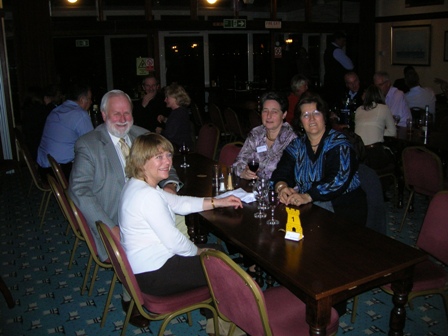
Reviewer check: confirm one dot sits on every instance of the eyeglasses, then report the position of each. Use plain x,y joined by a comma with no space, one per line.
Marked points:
150,85
315,114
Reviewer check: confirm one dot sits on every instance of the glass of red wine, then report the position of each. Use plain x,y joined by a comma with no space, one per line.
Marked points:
184,150
253,166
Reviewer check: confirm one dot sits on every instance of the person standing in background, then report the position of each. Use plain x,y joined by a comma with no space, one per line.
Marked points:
152,104
337,64
299,85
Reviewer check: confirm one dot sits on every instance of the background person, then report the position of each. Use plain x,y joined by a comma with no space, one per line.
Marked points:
177,128
418,96
266,141
299,85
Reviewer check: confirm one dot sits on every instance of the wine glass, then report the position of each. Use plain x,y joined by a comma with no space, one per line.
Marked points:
184,150
272,199
260,190
253,166
396,119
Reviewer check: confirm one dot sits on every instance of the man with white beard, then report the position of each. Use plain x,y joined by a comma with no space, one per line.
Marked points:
98,177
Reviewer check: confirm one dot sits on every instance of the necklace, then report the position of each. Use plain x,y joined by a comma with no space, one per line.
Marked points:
267,136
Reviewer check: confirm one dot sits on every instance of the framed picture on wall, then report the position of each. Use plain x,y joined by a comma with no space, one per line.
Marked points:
445,54
411,45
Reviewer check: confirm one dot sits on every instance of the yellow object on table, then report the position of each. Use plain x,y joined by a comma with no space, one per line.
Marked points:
294,229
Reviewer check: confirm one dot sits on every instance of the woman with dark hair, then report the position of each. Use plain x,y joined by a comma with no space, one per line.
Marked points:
373,121
267,141
321,166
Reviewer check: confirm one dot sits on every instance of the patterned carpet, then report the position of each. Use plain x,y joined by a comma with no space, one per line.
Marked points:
34,267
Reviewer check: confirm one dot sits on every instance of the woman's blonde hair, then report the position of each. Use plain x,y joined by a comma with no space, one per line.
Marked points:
178,93
144,148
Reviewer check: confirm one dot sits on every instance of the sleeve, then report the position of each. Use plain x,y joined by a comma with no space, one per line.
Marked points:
85,124
285,169
172,125
340,56
247,151
80,188
172,178
162,224
340,164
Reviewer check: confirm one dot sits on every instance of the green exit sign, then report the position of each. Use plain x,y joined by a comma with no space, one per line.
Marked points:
234,23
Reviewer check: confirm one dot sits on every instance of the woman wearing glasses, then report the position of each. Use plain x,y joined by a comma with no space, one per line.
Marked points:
320,166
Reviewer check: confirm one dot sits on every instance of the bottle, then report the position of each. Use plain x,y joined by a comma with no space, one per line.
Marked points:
95,116
222,186
426,122
230,178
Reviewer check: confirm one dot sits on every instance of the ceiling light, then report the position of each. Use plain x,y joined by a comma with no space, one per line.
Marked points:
212,2
72,1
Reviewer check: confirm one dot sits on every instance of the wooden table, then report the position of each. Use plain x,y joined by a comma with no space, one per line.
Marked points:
335,261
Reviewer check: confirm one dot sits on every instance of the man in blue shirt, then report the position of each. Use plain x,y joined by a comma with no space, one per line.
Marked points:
64,125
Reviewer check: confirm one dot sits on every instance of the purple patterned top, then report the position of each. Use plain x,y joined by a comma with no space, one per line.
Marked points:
255,146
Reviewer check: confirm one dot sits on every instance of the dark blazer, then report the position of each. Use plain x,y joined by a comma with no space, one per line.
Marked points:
97,179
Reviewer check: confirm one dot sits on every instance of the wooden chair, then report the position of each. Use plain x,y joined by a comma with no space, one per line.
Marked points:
429,277
233,124
60,176
254,119
196,114
154,308
423,174
239,300
229,152
87,234
59,194
217,119
36,179
208,140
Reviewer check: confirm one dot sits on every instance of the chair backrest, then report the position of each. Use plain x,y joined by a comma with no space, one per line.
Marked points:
422,170
30,163
84,229
61,197
216,117
236,295
120,262
433,235
208,140
254,119
196,114
229,152
233,123
58,172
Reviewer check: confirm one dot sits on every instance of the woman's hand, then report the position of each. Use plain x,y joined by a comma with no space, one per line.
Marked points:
201,250
248,174
298,199
228,201
285,193
161,118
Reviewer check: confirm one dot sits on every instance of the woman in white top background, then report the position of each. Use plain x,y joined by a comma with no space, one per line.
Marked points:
163,260
373,121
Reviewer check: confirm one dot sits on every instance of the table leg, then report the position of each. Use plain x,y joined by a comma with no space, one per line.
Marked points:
397,320
318,314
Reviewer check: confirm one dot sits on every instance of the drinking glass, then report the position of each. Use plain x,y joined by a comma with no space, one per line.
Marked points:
253,166
260,190
184,150
409,125
272,199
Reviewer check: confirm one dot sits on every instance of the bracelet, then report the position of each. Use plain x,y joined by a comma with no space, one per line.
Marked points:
280,185
213,202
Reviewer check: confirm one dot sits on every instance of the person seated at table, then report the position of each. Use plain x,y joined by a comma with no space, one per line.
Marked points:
163,260
373,121
321,167
267,141
177,128
419,96
299,85
354,89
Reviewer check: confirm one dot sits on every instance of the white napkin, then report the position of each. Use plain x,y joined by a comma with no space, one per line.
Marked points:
243,195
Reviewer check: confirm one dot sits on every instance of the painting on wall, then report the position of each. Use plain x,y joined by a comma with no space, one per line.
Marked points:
411,45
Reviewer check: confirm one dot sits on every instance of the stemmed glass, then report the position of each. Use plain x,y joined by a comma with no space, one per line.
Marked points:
272,200
184,150
260,190
253,166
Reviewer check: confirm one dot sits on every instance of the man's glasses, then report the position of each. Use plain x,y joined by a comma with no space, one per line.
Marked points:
315,114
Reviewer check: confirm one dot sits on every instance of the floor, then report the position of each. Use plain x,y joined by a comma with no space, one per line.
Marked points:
34,266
